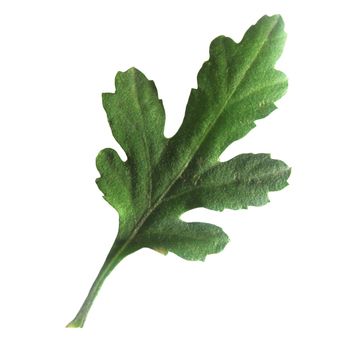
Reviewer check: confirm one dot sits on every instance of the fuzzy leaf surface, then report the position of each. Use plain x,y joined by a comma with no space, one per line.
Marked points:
163,178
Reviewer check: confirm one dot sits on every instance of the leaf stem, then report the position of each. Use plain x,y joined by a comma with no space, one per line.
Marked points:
106,269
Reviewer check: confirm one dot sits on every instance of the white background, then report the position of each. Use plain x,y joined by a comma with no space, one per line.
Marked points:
281,283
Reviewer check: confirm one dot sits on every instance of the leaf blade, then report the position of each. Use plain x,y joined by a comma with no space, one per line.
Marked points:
238,183
135,109
190,241
212,120
265,40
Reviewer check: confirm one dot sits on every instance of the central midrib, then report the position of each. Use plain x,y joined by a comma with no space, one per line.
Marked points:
190,157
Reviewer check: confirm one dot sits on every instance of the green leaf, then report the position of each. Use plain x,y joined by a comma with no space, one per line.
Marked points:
163,178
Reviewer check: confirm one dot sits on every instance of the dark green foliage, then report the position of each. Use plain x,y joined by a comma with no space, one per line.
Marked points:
162,178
